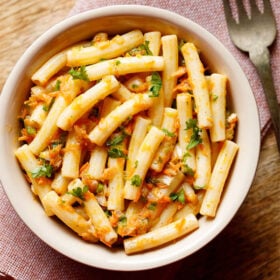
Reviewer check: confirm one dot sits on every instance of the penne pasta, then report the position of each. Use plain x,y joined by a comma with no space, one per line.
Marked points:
109,124
217,90
82,103
198,84
145,156
32,168
203,162
218,178
72,157
50,68
161,235
185,114
139,132
69,216
119,44
170,55
169,127
124,65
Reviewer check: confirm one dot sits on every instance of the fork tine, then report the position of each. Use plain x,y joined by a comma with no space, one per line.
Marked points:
228,13
267,7
242,14
254,8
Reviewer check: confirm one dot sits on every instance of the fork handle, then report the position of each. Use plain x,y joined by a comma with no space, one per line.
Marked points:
261,60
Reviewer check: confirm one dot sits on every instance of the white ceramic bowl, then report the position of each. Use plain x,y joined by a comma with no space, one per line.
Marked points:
118,19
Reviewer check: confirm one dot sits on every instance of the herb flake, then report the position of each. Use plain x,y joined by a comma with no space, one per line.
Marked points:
45,170
79,192
136,180
196,137
79,73
156,85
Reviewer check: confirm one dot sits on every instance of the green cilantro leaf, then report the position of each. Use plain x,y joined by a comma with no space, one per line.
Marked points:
79,73
152,206
146,48
57,85
30,130
116,140
116,153
179,196
45,170
156,85
100,188
195,138
79,192
136,180
123,219
168,133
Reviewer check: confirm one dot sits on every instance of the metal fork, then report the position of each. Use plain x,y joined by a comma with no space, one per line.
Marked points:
254,33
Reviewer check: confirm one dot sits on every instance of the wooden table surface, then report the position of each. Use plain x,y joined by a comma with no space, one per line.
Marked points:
249,247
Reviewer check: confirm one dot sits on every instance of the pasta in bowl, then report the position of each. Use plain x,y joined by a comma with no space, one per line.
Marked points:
127,139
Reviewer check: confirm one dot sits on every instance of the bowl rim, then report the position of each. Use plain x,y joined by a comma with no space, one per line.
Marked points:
54,31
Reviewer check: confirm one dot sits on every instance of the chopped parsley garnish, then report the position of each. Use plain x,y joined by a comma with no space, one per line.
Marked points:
45,170
179,196
195,138
79,192
123,219
156,85
116,140
146,48
168,133
57,85
152,206
214,97
136,163
100,188
187,170
118,62
136,180
46,107
116,153
142,49
30,130
79,73
108,213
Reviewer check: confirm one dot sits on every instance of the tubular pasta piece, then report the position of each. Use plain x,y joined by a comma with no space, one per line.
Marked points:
217,89
203,162
72,157
49,68
170,54
218,178
185,113
161,235
144,158
67,214
82,103
198,83
30,164
108,125
139,132
103,228
115,47
125,65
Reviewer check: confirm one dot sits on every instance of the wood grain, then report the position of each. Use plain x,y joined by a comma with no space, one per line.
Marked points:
249,247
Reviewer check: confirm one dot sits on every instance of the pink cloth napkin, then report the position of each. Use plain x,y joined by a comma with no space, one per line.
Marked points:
25,256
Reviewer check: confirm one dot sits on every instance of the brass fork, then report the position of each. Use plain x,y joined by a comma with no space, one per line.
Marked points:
254,33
